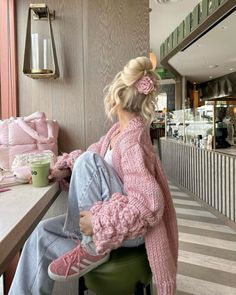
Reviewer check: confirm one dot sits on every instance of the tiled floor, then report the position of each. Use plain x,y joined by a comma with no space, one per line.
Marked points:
207,249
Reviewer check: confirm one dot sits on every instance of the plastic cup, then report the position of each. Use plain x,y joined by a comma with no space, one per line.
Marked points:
40,171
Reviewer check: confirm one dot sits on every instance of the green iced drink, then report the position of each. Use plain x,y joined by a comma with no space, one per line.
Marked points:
40,172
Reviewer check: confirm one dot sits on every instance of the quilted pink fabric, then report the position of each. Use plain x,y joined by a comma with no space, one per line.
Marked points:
14,140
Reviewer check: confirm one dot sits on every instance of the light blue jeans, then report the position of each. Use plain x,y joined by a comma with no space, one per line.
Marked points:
92,180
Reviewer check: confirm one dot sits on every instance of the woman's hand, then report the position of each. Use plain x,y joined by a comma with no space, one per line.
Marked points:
86,223
59,174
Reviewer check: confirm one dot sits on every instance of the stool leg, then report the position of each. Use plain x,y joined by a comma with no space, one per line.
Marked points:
139,289
82,286
148,289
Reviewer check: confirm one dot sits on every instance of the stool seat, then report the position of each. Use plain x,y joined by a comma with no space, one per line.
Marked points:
121,274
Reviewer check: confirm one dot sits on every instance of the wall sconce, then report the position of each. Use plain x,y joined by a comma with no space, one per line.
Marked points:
40,59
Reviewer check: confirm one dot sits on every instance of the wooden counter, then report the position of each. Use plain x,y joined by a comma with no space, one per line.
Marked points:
231,151
21,209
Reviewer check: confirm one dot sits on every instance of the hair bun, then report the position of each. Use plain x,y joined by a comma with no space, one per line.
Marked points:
134,89
135,69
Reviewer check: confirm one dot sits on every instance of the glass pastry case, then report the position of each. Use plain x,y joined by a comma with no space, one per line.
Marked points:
175,125
212,125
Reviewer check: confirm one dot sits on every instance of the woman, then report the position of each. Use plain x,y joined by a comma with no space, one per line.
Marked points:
118,196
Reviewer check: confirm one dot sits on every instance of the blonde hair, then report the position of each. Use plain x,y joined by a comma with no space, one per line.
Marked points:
123,90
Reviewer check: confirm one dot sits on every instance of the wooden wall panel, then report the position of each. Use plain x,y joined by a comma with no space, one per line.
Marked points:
94,39
61,99
114,32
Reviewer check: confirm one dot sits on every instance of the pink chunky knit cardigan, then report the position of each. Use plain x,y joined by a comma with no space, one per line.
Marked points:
146,210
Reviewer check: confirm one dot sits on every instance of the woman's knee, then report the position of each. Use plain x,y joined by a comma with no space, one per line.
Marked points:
86,158
51,224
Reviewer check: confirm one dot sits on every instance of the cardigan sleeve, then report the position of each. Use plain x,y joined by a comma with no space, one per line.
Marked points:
127,216
97,146
67,160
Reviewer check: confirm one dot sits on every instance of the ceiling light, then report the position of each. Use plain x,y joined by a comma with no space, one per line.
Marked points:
162,1
210,77
213,66
231,69
166,1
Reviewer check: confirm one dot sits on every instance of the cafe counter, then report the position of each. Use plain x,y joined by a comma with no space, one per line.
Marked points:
208,174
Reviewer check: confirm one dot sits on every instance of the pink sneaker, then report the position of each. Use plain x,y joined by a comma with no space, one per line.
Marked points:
74,264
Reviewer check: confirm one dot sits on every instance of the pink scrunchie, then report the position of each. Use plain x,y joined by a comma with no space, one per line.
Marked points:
145,85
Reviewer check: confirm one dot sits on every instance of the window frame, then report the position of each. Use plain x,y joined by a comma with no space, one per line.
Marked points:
8,60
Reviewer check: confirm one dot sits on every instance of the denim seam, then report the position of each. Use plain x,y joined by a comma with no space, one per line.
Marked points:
86,187
40,263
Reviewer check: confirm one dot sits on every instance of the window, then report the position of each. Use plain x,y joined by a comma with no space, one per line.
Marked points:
8,84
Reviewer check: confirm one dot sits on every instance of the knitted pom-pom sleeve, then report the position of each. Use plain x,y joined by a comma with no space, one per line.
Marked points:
67,160
128,216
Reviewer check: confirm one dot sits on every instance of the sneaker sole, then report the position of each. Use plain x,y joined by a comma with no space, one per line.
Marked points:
59,278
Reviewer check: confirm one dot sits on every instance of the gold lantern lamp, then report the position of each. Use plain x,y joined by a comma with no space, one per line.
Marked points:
40,58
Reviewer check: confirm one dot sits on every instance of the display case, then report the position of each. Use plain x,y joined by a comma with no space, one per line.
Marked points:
175,125
225,124
199,126
157,128
211,126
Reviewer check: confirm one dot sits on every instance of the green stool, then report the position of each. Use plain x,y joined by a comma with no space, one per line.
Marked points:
127,272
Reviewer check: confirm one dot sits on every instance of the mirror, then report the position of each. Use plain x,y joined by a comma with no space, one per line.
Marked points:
211,56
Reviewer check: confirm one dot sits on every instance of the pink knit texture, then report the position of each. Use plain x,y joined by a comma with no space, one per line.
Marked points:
147,209
67,160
